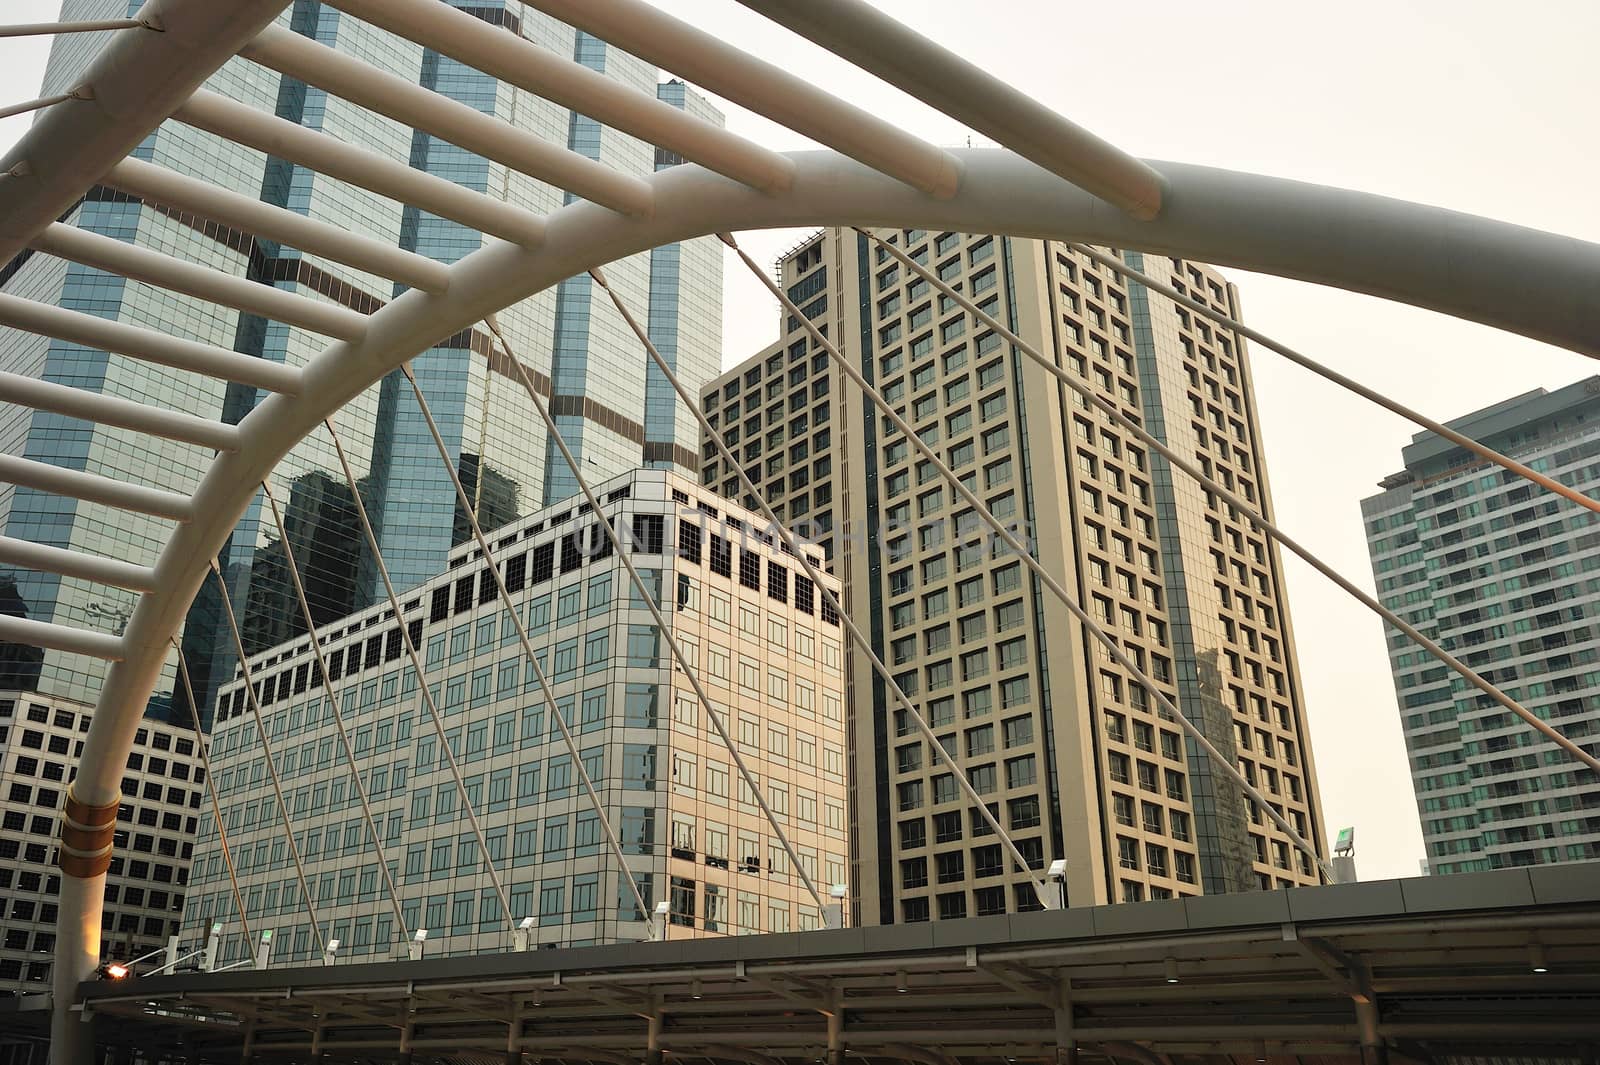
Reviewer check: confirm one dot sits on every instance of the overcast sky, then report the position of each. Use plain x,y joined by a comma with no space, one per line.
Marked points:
1476,106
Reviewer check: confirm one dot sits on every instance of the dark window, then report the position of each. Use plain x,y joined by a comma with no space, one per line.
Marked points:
830,616
648,530
487,589
393,644
544,562
914,911
414,630
777,582
721,556
463,595
597,542
804,594
989,900
1033,851
952,906
689,541
374,651
750,569
683,899
571,552
516,572
439,608
1027,899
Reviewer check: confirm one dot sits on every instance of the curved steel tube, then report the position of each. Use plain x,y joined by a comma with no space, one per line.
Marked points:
1525,281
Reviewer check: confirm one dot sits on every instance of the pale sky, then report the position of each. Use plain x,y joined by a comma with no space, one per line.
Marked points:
1476,106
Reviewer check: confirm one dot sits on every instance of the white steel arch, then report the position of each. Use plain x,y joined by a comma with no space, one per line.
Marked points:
1533,283
1232,219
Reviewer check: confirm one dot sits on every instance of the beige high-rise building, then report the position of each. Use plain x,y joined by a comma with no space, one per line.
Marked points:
767,648
1068,750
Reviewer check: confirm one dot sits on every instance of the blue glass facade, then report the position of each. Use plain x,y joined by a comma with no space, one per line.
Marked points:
484,415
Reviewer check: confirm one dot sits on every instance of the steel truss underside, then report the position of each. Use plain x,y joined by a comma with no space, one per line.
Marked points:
1264,977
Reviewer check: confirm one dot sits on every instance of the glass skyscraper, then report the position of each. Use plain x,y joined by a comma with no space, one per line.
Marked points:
1503,575
569,338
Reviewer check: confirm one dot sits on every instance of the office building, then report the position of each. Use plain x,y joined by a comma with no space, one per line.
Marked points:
1501,573
163,793
767,650
1077,762
580,352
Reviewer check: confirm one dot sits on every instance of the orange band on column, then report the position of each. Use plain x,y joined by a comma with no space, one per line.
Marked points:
87,833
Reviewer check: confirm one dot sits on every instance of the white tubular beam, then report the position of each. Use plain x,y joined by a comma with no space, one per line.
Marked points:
653,35
96,489
520,62
110,571
60,638
35,105
163,186
359,166
110,410
192,279
854,30
136,80
43,29
147,344
466,127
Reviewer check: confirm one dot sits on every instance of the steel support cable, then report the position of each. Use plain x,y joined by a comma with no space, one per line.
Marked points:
644,593
1478,448
1267,527
1046,898
416,664
333,709
1165,704
623,872
202,742
266,749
